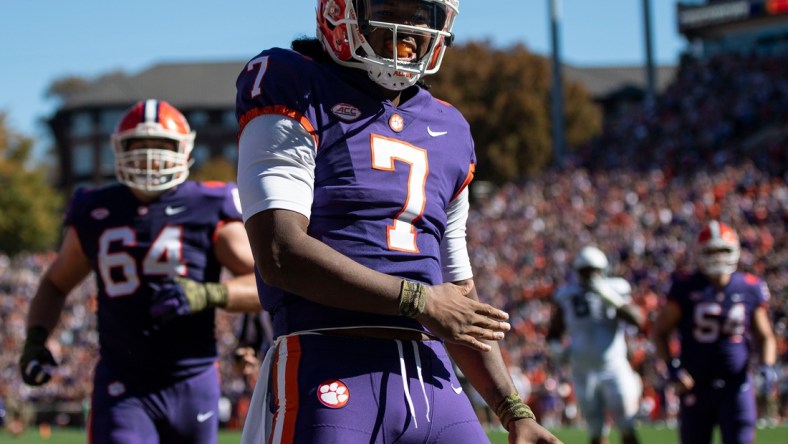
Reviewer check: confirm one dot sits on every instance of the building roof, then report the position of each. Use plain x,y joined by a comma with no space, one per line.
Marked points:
187,85
212,84
603,81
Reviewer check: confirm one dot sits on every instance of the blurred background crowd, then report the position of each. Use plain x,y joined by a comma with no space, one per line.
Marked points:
715,145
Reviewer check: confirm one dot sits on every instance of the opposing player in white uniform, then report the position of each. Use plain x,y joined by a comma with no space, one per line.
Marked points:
591,311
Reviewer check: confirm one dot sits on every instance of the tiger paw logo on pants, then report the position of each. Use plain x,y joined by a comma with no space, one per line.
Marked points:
333,394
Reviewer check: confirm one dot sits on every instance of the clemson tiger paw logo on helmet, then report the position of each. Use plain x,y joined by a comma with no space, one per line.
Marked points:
333,394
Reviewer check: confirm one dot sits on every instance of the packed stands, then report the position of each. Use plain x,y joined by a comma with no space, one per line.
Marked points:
714,145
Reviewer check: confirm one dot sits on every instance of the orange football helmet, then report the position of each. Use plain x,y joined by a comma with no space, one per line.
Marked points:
718,249
344,27
152,170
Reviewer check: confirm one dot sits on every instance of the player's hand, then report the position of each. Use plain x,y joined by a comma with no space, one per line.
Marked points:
184,297
245,361
454,317
680,377
528,431
609,296
768,378
36,362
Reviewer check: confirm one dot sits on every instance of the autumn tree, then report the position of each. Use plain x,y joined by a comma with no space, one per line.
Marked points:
29,206
216,168
505,96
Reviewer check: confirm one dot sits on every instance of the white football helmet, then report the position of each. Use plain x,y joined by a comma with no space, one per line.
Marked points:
344,27
590,257
152,170
718,249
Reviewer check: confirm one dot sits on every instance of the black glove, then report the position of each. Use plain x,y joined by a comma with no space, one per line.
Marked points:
184,297
36,362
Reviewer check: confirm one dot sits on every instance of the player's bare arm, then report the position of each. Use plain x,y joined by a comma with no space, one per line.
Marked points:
233,252
292,260
764,336
631,314
69,269
557,327
664,325
488,374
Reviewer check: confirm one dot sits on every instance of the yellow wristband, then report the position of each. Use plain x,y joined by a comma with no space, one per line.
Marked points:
412,299
512,408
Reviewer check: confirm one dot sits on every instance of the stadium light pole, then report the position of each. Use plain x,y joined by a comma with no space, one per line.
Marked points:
650,80
557,94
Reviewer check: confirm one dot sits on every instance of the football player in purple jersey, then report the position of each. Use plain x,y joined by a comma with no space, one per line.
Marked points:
354,183
157,245
721,317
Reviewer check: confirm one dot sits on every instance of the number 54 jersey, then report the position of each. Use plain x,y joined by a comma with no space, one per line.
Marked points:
132,245
715,324
384,175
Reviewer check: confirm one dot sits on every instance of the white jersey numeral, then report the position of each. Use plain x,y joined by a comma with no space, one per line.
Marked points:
709,324
263,62
164,257
401,235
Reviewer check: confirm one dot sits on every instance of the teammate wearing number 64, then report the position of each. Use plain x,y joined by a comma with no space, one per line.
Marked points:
721,316
157,244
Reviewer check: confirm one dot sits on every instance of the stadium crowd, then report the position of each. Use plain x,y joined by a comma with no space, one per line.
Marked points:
712,146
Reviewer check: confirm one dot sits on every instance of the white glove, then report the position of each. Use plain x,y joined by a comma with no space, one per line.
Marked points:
609,296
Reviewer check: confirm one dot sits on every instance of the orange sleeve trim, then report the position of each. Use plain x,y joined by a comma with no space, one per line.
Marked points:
219,226
282,111
214,183
467,181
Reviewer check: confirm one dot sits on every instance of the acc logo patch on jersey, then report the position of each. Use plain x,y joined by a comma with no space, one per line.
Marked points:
333,394
346,112
99,213
116,388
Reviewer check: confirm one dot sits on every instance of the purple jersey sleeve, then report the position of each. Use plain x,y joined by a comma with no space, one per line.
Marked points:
230,209
277,81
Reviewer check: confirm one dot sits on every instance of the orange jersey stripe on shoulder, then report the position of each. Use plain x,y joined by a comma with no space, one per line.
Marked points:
467,181
214,183
281,110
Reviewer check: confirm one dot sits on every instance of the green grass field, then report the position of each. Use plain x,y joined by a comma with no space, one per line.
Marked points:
648,435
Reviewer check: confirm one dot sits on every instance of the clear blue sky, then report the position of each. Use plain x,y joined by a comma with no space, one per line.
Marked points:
41,41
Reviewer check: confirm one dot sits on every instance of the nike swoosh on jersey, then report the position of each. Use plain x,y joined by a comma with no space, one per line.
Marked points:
436,133
172,211
202,417
457,390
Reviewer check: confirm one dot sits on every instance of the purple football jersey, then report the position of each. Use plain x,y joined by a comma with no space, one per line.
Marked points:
131,245
715,324
384,175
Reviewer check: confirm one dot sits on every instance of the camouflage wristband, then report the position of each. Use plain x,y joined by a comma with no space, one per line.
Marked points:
217,294
202,295
512,408
412,299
